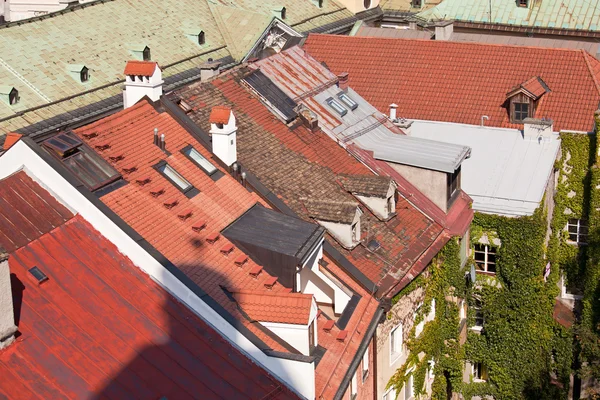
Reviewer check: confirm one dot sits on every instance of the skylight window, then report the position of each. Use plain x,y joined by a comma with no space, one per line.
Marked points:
340,109
199,159
347,100
176,179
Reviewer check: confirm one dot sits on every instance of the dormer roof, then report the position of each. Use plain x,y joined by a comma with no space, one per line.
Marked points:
533,87
367,185
219,115
6,90
141,68
76,67
332,210
282,308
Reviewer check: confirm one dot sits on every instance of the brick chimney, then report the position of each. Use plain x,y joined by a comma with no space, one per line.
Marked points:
343,81
223,130
7,317
142,78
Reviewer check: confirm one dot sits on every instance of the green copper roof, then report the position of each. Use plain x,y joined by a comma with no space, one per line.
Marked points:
38,54
564,14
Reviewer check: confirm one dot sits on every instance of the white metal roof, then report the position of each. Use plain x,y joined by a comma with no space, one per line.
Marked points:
506,173
362,127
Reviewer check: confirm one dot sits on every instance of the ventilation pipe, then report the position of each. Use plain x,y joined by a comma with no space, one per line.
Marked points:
155,137
393,110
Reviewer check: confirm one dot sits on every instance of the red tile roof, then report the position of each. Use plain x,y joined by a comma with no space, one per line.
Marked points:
99,327
535,86
460,82
218,204
283,308
219,115
140,68
11,139
298,156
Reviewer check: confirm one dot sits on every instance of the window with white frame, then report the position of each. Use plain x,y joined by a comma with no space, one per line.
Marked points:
485,257
390,394
431,315
479,320
353,387
420,325
396,343
365,365
578,230
408,388
462,310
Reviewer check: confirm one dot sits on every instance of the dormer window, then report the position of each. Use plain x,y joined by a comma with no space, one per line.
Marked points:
279,12
340,218
377,193
176,179
140,51
196,35
523,99
417,3
9,94
79,72
453,186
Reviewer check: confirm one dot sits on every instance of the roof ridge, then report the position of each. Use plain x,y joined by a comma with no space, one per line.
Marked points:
446,42
588,62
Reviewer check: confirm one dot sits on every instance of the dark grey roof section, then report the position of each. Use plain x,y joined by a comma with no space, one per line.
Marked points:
274,231
275,96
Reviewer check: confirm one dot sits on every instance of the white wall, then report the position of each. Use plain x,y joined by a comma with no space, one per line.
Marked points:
432,184
298,375
148,86
343,232
378,205
16,10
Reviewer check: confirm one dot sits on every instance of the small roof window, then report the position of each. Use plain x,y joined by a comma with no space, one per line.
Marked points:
196,35
347,100
176,179
340,109
140,51
38,275
10,95
198,159
79,72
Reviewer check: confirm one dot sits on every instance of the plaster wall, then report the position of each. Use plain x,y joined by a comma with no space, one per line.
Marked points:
298,375
432,184
135,89
401,313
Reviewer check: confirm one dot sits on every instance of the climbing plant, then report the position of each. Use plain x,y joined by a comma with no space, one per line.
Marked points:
438,342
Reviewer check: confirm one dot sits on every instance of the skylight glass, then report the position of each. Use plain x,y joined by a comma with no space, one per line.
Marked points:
174,177
199,159
348,101
340,109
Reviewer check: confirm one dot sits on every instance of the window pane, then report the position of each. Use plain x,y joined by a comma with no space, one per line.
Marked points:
175,177
337,107
347,101
201,161
572,228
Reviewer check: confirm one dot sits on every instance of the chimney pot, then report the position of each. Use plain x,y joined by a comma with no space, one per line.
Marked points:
393,108
343,81
162,142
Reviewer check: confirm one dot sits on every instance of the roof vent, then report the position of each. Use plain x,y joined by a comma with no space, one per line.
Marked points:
140,51
79,72
328,325
197,36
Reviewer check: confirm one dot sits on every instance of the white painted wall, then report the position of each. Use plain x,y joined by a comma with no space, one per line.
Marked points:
298,375
296,335
224,141
137,87
15,10
379,205
432,184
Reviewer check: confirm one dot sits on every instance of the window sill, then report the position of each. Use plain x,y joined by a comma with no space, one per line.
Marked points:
572,243
476,328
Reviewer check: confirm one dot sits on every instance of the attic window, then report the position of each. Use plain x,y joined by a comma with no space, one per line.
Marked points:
522,3
521,111
82,161
283,11
176,179
84,75
13,97
201,38
347,101
337,107
146,54
453,181
198,159
417,3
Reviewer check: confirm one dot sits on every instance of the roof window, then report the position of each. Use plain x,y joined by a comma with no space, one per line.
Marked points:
198,159
347,100
81,160
340,109
38,275
176,179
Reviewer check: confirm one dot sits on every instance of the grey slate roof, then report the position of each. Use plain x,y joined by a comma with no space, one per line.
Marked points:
275,231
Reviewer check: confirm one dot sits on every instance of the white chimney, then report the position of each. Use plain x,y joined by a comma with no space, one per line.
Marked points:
209,69
7,317
393,108
223,130
537,128
444,30
142,78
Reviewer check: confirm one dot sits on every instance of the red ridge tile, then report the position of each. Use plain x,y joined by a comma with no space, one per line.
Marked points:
198,226
171,203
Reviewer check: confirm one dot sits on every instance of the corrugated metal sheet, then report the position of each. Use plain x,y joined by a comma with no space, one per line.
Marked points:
506,174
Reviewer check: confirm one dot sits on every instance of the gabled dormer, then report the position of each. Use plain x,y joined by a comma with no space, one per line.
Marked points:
522,100
140,52
377,193
279,12
196,35
79,72
9,94
341,219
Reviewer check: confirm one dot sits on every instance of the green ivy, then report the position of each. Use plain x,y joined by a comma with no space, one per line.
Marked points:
439,340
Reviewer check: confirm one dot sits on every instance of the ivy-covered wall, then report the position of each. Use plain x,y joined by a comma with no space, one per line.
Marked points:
521,345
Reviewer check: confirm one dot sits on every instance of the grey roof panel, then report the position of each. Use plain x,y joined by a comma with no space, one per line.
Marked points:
267,89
